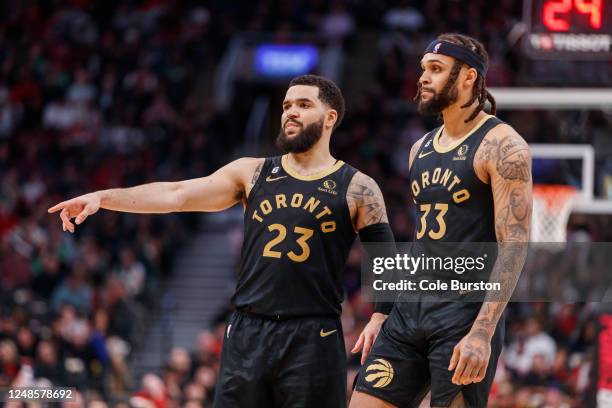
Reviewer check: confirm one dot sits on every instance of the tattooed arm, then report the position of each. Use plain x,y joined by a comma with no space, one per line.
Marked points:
222,189
365,201
369,216
504,161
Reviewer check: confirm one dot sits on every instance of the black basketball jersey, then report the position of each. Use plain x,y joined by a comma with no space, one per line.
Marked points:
298,234
452,203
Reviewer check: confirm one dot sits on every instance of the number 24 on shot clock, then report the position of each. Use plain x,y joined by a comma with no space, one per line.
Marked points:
568,29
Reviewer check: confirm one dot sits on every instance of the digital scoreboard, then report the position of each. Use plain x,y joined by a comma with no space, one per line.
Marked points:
568,29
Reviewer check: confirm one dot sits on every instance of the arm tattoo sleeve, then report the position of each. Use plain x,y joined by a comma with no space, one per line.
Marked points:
364,197
510,158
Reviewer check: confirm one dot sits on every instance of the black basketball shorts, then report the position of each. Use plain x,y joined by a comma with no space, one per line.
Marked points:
299,362
413,350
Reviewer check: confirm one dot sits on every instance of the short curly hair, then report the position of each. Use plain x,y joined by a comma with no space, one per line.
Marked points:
329,93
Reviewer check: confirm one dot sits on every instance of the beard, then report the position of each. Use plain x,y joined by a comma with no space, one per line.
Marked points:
438,102
302,141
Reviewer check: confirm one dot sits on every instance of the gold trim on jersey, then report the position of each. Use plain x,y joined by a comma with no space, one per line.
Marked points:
445,149
316,176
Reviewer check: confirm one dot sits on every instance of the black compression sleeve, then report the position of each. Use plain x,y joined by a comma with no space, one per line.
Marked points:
379,233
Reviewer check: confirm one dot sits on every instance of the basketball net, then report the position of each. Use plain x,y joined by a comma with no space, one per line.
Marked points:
552,205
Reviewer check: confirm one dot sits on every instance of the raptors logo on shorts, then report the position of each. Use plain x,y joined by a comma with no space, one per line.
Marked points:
380,373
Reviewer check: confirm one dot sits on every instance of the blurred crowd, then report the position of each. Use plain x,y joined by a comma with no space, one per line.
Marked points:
95,95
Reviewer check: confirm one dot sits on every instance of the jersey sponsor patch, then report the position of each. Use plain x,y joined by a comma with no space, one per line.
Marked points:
461,152
329,186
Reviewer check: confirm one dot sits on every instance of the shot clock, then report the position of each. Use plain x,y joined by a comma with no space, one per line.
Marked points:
568,29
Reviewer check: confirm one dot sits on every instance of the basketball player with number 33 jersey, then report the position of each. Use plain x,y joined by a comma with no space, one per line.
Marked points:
471,182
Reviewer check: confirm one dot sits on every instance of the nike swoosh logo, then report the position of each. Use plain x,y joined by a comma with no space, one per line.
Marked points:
421,155
270,178
325,334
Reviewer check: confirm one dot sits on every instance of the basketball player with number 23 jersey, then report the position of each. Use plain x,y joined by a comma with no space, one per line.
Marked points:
283,346
471,182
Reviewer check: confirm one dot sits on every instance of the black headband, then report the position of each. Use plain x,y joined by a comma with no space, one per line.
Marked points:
460,52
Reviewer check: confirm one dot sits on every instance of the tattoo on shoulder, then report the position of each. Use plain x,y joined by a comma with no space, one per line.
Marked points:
510,155
256,174
365,196
241,194
488,149
512,159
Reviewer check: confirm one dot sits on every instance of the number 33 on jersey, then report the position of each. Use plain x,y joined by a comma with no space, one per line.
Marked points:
453,204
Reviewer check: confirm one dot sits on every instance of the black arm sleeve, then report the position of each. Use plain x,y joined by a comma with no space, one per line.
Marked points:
379,233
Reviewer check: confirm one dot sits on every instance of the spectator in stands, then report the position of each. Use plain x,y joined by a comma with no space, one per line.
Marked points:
195,393
208,349
404,17
74,291
153,391
338,24
534,346
131,273
49,272
120,380
120,310
26,344
48,364
206,377
9,362
178,368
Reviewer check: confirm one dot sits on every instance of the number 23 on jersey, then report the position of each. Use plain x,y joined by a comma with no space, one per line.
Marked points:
303,235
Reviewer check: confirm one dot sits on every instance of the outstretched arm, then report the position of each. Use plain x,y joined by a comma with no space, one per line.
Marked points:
505,160
222,189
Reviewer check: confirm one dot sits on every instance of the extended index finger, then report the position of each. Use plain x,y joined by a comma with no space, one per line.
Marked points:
359,343
57,207
367,347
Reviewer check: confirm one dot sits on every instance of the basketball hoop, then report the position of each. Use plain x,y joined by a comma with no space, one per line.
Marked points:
552,204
